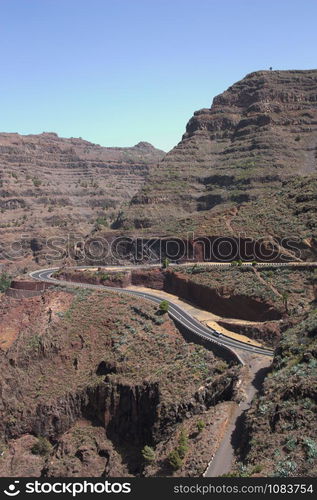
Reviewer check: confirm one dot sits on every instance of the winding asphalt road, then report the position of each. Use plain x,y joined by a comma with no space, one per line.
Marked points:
222,461
175,312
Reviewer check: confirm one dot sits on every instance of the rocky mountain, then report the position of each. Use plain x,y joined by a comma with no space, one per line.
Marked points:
92,377
50,185
246,164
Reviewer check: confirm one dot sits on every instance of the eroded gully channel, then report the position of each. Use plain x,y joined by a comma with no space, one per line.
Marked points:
254,372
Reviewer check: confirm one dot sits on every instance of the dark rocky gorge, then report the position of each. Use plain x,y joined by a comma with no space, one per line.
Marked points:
67,375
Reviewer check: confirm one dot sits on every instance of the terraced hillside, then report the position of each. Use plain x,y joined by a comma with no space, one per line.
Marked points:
252,154
50,185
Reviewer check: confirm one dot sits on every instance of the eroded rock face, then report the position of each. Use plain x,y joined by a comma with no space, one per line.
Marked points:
85,451
257,134
224,302
53,186
94,372
18,460
282,417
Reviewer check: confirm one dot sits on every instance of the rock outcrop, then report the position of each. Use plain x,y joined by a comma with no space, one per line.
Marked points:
93,372
235,160
280,432
52,186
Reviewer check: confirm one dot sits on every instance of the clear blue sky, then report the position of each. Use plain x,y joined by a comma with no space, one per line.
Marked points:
119,71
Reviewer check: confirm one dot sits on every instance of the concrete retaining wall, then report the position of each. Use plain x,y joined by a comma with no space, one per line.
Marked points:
30,285
23,289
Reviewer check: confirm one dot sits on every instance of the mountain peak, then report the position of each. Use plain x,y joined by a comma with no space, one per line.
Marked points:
144,145
257,134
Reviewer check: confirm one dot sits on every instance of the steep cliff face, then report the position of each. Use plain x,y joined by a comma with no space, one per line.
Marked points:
256,136
85,361
280,434
223,301
51,186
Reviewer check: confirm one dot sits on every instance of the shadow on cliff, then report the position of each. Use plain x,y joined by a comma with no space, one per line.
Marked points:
240,435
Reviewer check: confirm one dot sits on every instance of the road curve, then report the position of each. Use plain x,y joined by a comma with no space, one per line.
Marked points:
175,312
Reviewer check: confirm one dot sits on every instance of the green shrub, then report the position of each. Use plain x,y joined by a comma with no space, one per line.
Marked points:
285,468
200,425
221,366
34,342
310,448
159,321
183,438
101,221
165,263
256,469
164,305
290,444
104,276
148,454
5,281
175,460
36,181
182,447
41,447
182,450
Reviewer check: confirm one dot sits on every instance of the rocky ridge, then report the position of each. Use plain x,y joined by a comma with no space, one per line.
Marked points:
50,186
238,156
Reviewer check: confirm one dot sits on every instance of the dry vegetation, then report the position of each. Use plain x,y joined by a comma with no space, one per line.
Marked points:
281,424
